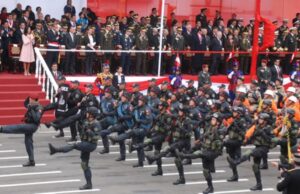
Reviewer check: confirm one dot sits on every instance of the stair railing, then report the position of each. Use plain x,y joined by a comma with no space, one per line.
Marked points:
45,77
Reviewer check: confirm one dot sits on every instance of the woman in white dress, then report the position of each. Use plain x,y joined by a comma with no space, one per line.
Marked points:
27,53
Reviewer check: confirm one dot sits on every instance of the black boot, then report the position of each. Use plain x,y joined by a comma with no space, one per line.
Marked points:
187,162
179,181
264,165
258,186
137,165
61,134
30,163
120,159
48,125
130,147
234,178
1,129
210,188
86,187
104,151
158,172
52,149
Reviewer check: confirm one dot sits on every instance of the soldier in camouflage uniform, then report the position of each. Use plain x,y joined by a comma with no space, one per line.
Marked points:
211,148
88,144
235,137
181,137
159,132
261,138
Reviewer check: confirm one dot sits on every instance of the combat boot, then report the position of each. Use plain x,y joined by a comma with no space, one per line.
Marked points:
104,151
86,187
234,178
258,186
264,166
179,181
187,162
158,172
148,148
30,163
120,159
210,188
52,149
137,165
130,146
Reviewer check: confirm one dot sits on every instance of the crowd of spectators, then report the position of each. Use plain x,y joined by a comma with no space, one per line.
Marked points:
84,30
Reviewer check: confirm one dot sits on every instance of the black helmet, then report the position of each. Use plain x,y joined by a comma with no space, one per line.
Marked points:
93,111
218,116
290,111
264,116
239,110
182,108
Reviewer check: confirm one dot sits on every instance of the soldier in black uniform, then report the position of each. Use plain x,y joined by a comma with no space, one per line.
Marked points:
191,90
165,94
290,179
88,144
182,97
89,100
61,106
234,138
31,120
211,148
261,138
125,122
263,75
75,97
181,135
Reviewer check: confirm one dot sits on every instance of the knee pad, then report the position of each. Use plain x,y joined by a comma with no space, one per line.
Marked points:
84,166
255,168
148,141
206,174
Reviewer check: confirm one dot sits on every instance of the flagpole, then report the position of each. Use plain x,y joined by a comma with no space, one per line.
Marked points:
161,36
255,39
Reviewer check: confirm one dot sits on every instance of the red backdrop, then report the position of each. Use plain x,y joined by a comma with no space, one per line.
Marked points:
188,9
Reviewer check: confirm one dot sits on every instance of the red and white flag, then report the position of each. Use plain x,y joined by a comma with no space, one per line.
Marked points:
292,57
177,61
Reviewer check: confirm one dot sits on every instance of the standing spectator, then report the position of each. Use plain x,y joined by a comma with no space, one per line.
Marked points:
89,43
297,18
39,13
118,77
276,71
202,18
204,76
27,53
31,14
18,11
199,44
233,77
6,37
53,43
82,21
71,43
3,14
216,45
69,8
17,36
142,43
263,75
245,46
126,44
291,46
154,18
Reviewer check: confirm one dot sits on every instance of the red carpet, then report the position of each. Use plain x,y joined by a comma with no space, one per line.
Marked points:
14,88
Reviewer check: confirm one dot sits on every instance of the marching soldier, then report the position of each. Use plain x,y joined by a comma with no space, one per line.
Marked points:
181,137
108,116
211,148
31,120
125,122
261,137
88,144
234,138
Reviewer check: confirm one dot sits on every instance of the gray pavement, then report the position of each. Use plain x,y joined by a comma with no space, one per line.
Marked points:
62,173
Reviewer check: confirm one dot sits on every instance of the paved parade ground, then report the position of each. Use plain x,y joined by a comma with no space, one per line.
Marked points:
62,173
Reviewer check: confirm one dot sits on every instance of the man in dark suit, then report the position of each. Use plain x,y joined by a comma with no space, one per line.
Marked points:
17,36
89,42
216,45
71,43
290,44
202,18
276,71
6,37
127,44
53,43
55,72
290,182
199,44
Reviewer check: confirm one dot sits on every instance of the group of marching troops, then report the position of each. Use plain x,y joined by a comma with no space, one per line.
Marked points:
189,123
